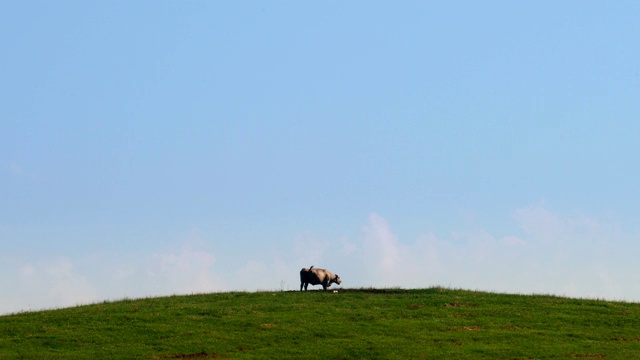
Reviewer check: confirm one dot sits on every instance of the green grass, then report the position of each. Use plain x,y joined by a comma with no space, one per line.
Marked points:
431,323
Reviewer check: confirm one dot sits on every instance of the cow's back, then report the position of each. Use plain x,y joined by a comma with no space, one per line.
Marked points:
319,276
313,276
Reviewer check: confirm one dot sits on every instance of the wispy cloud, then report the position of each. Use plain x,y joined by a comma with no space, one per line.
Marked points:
49,284
189,271
560,254
382,245
550,252
37,283
310,249
267,274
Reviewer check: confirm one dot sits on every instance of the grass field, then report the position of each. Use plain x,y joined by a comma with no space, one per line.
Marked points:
431,323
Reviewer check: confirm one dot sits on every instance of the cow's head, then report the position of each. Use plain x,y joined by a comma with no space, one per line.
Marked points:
336,279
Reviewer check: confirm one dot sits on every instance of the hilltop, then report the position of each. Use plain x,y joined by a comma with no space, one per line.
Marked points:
351,324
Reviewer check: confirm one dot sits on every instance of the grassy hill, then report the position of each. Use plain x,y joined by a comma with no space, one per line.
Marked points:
351,324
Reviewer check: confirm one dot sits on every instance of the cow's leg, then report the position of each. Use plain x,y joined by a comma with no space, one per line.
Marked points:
306,285
325,284
301,285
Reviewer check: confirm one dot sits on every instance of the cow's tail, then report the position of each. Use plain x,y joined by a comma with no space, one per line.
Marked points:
311,267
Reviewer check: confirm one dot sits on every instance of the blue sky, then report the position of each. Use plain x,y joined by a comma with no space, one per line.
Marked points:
155,148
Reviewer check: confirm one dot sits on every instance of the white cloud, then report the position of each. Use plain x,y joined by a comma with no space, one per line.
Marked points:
190,271
574,255
381,244
560,254
50,284
514,241
67,287
310,249
541,224
38,283
28,272
274,274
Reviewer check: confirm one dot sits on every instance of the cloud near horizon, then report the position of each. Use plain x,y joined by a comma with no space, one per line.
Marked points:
552,253
49,284
190,271
564,255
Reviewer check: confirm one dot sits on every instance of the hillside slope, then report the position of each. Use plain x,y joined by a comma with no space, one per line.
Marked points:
351,324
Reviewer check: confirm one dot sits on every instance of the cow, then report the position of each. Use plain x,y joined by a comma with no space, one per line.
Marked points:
317,277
